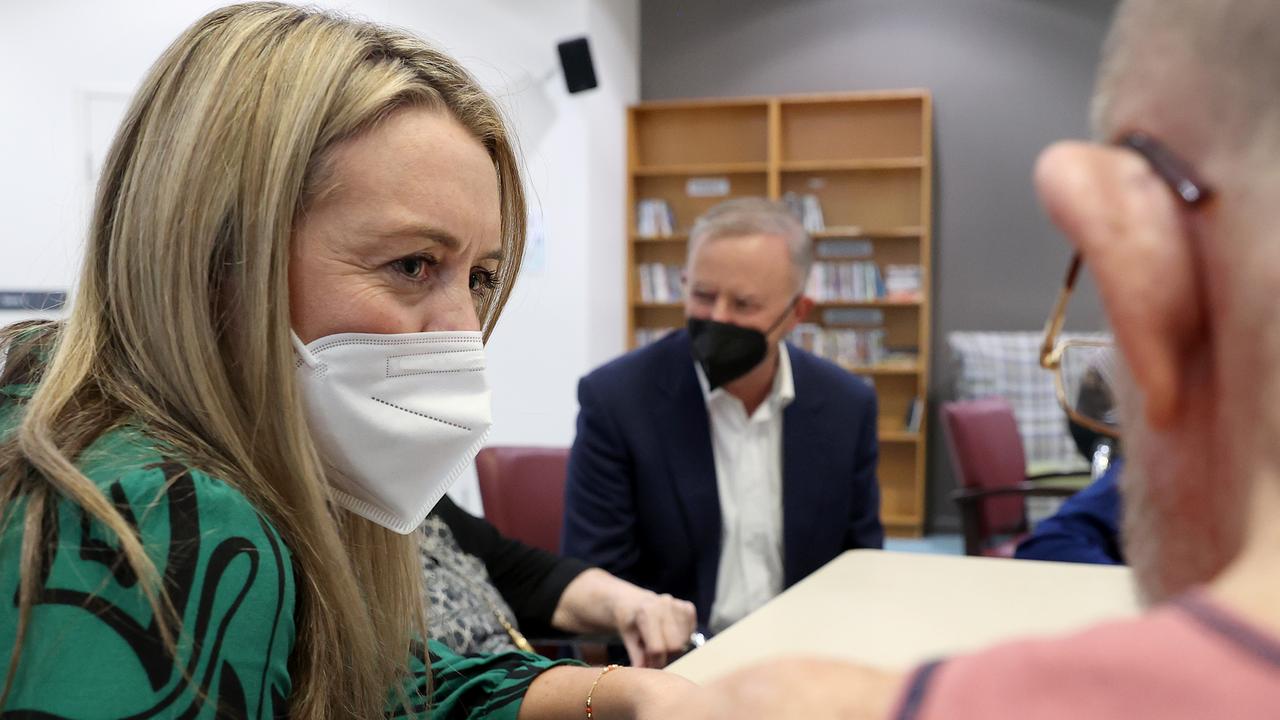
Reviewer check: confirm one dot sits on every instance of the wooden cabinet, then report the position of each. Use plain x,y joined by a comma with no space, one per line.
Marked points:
867,159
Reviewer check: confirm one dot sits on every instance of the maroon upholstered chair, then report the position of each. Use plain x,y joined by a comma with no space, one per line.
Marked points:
522,489
991,471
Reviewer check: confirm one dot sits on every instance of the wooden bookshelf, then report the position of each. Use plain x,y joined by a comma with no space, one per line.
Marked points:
702,169
869,159
839,165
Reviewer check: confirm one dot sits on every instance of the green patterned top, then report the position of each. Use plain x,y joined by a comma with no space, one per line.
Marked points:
93,649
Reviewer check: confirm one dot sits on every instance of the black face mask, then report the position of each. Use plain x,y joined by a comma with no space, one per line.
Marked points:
725,351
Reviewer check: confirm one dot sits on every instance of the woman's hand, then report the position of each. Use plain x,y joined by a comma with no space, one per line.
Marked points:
652,626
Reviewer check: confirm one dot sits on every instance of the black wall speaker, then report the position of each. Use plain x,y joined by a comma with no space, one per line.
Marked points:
575,60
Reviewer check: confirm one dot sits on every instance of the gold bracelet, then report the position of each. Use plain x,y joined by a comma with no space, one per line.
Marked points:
592,691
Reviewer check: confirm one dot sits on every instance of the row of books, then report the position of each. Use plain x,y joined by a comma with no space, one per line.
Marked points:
862,281
661,283
644,336
851,348
903,282
808,208
654,218
845,281
828,282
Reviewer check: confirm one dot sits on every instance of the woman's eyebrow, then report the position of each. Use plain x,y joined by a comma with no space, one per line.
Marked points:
421,232
434,234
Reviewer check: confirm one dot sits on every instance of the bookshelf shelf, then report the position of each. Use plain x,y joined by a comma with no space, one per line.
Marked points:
701,169
815,166
831,233
840,233
900,521
899,436
885,369
868,157
659,305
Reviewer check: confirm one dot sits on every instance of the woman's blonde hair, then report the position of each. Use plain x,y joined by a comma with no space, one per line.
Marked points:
181,320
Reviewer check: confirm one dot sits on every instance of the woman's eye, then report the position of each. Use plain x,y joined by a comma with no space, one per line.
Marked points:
483,281
414,267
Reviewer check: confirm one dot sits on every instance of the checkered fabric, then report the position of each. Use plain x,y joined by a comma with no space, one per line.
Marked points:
1007,365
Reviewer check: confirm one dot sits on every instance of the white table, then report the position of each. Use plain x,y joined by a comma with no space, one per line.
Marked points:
894,610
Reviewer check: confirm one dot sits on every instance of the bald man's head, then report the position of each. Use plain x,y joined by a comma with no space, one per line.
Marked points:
1204,71
1189,288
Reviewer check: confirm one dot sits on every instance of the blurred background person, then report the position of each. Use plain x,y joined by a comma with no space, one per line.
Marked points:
722,464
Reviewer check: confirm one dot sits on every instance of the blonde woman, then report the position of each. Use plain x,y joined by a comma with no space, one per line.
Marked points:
303,228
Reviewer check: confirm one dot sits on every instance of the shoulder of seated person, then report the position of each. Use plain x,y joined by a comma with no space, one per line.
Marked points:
651,357
225,569
127,464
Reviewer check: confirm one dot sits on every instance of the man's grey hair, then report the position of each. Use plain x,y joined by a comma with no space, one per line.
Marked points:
1211,62
746,216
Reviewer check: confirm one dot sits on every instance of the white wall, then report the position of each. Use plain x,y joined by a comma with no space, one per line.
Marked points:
566,315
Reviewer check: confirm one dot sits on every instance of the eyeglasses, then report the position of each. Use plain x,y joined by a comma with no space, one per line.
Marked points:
1082,369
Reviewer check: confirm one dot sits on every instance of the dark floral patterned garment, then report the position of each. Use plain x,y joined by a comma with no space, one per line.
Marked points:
462,597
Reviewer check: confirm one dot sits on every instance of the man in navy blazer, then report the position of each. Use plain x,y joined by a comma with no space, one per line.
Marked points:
720,464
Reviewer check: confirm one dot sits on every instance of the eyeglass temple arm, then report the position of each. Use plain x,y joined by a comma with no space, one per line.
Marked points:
1053,327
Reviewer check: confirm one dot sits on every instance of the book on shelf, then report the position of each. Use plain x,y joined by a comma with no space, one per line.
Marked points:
812,217
660,283
644,336
807,208
646,282
915,415
843,346
904,283
832,281
903,359
654,218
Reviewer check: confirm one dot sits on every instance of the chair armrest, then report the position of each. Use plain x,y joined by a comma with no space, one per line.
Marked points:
566,640
1026,489
591,648
1059,474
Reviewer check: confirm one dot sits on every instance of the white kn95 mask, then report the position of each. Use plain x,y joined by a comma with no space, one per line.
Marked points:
397,418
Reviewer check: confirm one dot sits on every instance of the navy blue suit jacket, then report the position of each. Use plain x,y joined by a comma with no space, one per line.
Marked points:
1086,529
641,498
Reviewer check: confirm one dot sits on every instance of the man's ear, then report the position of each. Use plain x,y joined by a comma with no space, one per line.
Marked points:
803,306
796,315
1128,227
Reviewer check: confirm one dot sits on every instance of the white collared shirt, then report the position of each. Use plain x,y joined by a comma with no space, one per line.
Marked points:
748,457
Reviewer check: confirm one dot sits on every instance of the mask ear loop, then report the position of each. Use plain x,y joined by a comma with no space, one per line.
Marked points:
783,316
304,355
